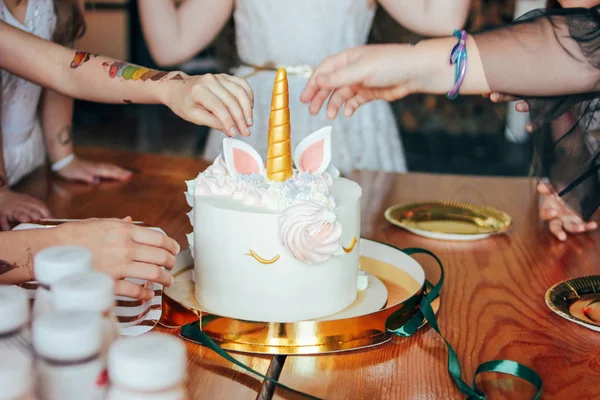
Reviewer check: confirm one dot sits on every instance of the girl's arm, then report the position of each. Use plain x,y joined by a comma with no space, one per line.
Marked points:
389,72
118,248
17,249
429,17
59,68
551,56
544,54
176,34
220,101
56,113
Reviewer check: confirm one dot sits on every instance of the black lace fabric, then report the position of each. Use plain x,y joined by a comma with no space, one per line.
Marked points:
551,59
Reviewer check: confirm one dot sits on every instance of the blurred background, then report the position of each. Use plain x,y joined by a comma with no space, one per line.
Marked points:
467,136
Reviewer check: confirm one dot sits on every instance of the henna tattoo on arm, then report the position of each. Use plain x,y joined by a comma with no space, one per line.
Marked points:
6,267
29,264
65,136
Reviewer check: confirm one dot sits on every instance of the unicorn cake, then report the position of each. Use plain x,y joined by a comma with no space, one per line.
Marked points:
272,242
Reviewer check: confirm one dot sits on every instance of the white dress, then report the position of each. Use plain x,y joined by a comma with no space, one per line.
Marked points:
22,137
304,32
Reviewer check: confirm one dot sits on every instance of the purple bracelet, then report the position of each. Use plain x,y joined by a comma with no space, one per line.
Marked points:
459,58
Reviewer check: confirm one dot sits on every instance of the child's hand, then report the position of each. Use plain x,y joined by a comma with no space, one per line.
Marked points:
17,207
220,101
357,76
92,172
123,250
561,220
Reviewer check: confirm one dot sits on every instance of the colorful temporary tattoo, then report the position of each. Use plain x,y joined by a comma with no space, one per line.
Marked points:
159,76
129,72
65,136
119,69
113,69
80,58
6,267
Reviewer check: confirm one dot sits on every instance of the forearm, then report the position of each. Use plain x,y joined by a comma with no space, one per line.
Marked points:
541,57
54,66
433,73
174,35
525,60
17,249
162,36
429,17
56,113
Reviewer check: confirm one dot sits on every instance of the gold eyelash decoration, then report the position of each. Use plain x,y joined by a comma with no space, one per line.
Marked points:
262,260
351,246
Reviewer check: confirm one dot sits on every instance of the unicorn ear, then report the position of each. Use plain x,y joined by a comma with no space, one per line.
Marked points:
241,158
313,154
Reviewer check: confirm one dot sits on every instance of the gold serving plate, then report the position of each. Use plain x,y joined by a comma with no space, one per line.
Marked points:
306,337
577,300
448,220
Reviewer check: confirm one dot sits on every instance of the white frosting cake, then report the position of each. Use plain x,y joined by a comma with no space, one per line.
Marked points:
276,244
274,251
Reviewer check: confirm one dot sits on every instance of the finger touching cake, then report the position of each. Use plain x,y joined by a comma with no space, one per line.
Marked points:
275,241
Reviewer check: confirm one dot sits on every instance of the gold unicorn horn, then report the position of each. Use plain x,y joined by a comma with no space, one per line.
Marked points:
279,152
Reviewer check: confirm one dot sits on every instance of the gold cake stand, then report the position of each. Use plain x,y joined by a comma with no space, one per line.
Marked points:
389,265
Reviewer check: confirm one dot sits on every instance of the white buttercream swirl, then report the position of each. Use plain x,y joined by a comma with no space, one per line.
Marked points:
257,190
310,231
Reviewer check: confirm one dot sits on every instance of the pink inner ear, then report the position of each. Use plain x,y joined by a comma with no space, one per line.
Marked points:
312,158
244,163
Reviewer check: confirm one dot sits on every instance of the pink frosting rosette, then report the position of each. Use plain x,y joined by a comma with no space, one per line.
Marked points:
310,231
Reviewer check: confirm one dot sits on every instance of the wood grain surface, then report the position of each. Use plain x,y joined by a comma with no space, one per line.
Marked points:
492,302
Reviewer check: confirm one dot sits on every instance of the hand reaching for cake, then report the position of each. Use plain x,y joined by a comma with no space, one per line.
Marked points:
124,250
389,72
223,102
220,101
357,76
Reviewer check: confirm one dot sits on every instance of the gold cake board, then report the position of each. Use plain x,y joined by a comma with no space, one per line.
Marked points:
387,264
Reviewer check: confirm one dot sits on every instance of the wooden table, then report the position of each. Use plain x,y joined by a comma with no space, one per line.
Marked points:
492,302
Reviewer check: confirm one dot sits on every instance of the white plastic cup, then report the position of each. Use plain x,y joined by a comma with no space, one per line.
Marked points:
14,319
150,367
53,264
92,292
69,366
16,375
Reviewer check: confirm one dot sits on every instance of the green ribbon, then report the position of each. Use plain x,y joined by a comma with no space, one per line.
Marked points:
193,332
425,311
508,367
